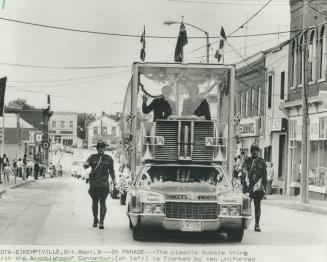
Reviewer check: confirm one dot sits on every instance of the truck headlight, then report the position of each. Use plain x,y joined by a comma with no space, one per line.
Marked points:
234,211
223,211
153,208
147,208
230,210
158,209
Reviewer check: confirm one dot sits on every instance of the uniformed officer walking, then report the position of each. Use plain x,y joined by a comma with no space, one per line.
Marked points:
254,168
102,165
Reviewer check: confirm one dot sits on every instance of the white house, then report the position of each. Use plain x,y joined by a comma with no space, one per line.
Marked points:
104,128
275,137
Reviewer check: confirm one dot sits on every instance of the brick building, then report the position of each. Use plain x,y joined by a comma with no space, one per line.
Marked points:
38,119
315,38
63,128
16,136
249,96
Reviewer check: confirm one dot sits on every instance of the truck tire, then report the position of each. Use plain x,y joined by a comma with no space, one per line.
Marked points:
130,224
137,233
235,235
123,199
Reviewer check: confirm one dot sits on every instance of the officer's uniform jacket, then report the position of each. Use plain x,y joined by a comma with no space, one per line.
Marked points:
254,173
161,107
99,176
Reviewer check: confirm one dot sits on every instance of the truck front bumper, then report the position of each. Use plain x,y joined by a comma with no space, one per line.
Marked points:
221,223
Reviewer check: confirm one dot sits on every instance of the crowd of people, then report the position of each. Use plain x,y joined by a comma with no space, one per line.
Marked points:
25,167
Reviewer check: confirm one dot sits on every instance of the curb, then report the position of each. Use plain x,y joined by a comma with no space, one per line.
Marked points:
18,185
300,207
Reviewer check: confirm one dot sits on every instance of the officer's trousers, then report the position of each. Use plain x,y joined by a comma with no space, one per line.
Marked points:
99,194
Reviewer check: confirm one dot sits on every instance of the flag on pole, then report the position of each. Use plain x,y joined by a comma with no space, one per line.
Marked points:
3,4
181,42
219,52
142,40
3,82
49,102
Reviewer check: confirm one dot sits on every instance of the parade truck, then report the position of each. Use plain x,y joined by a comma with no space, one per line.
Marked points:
182,161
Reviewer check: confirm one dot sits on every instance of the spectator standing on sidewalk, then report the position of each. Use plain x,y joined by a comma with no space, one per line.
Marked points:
14,167
20,168
24,167
255,169
6,172
102,166
36,170
1,165
270,177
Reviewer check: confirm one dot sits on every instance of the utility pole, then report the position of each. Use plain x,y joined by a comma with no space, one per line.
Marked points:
304,144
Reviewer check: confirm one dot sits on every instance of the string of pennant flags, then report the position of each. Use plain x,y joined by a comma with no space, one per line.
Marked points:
182,40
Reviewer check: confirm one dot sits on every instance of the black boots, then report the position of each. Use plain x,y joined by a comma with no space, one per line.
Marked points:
257,228
101,226
95,222
257,213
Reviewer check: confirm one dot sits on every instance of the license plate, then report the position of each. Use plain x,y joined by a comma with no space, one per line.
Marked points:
191,225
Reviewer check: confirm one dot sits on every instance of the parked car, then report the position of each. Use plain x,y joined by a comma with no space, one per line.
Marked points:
192,198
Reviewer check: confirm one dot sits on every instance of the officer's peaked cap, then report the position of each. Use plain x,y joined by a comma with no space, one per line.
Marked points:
101,143
254,147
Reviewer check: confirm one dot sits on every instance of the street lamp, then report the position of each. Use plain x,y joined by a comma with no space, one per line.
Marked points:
169,22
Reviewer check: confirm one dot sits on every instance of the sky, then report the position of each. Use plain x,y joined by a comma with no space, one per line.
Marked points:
23,48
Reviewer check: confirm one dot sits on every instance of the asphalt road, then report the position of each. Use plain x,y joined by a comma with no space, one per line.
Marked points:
57,211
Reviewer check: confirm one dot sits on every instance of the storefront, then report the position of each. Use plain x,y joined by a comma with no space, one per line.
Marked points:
249,134
276,142
317,155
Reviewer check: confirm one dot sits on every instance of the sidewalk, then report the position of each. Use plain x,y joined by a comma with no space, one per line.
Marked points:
294,202
19,182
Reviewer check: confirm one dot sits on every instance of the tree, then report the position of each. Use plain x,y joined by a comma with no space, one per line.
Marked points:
82,120
19,103
116,116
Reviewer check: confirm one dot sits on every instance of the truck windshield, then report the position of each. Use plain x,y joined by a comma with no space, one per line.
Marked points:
169,175
187,92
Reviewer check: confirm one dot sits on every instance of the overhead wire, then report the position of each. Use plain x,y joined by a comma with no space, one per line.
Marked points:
120,34
62,67
64,80
239,3
70,84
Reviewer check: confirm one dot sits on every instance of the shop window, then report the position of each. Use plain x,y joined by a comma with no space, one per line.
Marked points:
323,127
323,53
259,101
293,72
301,59
113,131
270,83
253,109
282,85
247,103
241,104
267,154
312,56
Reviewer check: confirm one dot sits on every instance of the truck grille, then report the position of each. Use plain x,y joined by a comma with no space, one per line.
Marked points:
187,210
169,130
202,130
